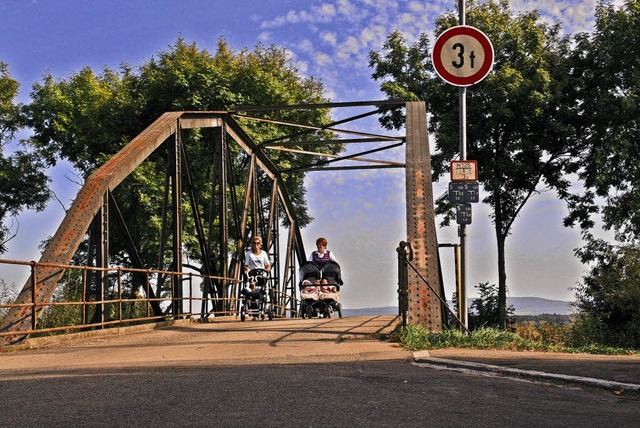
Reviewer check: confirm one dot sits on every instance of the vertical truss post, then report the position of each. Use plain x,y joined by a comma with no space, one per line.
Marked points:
223,220
289,281
98,256
103,254
176,197
273,241
424,308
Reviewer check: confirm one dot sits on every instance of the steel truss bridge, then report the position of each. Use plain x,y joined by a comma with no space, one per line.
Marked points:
237,212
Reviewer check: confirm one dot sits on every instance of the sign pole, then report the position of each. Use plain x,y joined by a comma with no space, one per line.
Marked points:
463,56
462,292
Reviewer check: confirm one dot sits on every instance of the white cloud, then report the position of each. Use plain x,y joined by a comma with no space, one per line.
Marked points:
574,16
302,66
346,8
306,46
274,23
405,19
318,15
417,7
325,12
330,38
350,47
323,59
367,36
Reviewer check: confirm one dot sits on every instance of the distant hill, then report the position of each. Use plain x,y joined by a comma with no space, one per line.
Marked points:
538,306
523,306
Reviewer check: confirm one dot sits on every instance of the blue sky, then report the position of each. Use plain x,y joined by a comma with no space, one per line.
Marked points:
329,40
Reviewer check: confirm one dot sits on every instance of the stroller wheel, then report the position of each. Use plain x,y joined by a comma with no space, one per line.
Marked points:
340,310
243,314
328,311
270,314
309,312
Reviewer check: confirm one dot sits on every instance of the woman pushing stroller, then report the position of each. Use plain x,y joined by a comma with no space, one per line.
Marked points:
254,294
322,255
320,285
320,258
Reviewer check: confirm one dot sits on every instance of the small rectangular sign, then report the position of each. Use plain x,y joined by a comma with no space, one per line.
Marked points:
466,170
464,192
463,214
472,191
456,193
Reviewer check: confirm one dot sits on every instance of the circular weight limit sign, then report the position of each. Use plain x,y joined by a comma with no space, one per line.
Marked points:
462,55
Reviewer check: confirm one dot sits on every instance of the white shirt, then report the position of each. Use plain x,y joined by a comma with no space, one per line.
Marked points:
257,261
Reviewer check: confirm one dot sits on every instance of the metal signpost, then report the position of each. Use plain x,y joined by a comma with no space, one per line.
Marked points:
463,56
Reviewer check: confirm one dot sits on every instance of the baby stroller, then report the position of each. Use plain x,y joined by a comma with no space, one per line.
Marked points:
254,297
320,290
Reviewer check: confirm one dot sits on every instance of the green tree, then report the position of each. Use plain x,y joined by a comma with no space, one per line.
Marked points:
516,117
484,310
608,297
607,69
607,75
88,116
23,183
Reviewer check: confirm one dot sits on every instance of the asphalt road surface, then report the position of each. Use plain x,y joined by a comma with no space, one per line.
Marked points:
347,381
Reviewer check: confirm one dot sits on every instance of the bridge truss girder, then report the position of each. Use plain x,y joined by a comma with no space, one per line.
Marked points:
95,205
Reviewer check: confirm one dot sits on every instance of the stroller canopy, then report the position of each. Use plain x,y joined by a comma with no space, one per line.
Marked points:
331,271
311,271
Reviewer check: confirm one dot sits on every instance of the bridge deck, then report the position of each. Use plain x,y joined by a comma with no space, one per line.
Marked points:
226,342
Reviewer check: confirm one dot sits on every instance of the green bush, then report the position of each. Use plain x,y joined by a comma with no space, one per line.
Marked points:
608,298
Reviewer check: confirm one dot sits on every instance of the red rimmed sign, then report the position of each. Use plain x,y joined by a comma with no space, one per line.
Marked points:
462,55
464,170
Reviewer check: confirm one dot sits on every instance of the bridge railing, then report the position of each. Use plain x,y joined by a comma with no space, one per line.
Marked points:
73,308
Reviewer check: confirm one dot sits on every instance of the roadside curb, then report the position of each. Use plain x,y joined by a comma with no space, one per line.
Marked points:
423,357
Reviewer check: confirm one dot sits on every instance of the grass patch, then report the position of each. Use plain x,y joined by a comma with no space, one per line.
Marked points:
544,339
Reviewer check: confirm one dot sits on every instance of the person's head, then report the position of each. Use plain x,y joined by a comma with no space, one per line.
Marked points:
256,243
321,243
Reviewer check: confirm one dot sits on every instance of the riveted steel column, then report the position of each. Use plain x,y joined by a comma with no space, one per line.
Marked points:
102,257
424,308
176,197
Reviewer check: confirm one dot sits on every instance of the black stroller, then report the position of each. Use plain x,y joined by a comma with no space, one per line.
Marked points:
254,296
320,290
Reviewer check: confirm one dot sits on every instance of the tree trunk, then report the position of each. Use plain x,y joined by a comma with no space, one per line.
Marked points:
501,237
502,280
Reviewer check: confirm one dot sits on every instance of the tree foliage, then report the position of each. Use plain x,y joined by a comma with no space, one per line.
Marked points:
23,183
607,75
608,297
518,123
89,116
484,310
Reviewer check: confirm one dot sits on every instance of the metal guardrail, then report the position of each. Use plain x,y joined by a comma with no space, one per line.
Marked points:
120,309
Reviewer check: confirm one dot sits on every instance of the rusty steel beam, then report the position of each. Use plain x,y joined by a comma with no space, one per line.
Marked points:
69,235
379,103
41,285
424,310
424,307
246,142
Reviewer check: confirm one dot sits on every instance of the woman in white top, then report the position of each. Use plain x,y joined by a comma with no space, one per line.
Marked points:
257,259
